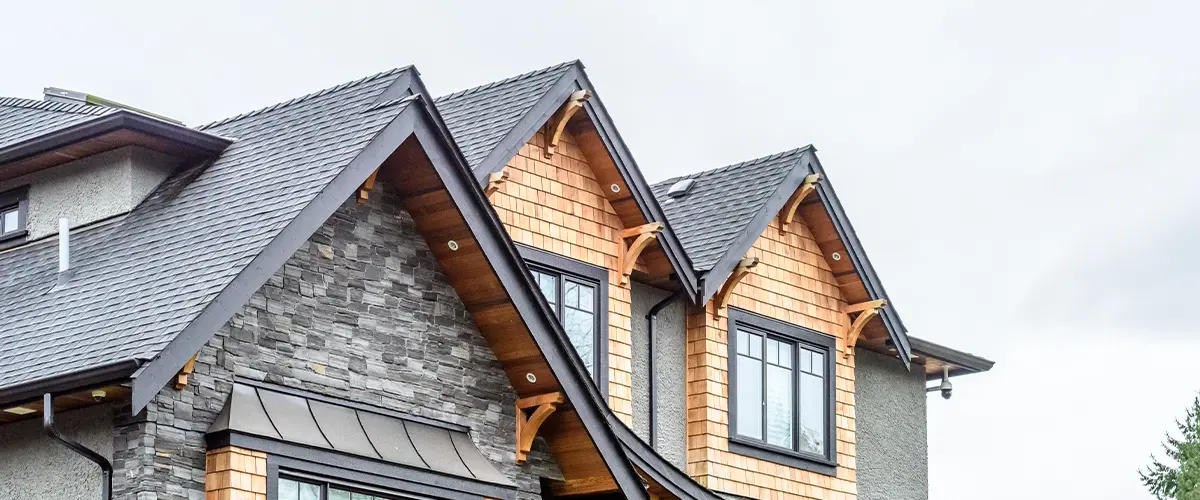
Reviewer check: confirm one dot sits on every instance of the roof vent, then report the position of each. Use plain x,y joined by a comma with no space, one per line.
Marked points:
64,96
681,188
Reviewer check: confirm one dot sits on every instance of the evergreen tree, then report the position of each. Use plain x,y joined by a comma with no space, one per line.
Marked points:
1181,481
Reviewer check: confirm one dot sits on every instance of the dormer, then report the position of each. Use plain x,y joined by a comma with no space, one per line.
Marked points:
88,159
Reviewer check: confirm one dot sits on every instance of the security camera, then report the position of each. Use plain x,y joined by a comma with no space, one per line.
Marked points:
945,387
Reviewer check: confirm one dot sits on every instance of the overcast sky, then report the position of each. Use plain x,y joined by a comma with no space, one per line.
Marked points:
1019,172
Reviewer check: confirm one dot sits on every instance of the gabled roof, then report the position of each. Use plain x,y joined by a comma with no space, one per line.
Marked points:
481,117
728,208
138,283
23,119
720,204
521,105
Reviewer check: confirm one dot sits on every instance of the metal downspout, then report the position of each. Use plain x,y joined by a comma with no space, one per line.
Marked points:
650,316
105,466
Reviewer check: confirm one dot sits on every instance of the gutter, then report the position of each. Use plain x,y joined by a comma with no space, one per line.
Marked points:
91,377
106,468
650,317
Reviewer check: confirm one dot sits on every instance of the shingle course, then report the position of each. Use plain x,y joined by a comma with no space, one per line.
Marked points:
140,280
24,119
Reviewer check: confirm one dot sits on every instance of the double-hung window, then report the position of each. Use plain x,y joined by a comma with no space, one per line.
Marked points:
578,294
782,393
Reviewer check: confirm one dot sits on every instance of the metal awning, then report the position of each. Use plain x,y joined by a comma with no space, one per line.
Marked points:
299,418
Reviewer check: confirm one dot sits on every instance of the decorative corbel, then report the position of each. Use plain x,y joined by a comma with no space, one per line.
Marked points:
644,233
558,122
365,189
722,299
866,310
181,378
788,214
527,428
495,179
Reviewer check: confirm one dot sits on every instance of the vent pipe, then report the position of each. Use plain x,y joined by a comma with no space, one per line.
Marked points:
64,245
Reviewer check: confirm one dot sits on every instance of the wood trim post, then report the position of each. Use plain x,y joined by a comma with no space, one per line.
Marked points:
181,378
866,310
543,405
645,234
558,122
722,299
495,180
788,214
365,189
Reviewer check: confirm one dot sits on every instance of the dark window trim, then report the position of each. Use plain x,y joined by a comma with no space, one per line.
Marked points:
356,472
19,197
826,464
537,258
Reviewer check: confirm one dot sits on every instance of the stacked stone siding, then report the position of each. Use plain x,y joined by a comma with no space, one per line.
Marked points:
360,312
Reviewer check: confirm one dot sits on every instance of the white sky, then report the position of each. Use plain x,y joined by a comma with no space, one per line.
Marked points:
1018,171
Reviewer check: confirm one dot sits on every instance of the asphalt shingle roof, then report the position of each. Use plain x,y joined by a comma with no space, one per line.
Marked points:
140,280
709,218
480,117
24,119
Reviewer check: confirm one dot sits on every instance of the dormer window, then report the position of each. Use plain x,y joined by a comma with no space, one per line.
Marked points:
13,210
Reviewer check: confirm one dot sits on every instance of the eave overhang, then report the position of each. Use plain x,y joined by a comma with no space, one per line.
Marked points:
104,133
935,357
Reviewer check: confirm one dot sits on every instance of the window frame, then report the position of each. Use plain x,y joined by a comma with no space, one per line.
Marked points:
20,198
541,260
798,336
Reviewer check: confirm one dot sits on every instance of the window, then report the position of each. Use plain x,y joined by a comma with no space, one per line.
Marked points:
13,209
290,489
782,397
578,293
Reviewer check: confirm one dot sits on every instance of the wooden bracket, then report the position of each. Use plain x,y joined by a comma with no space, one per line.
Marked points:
527,428
182,377
788,214
495,179
866,310
722,299
644,233
558,122
366,187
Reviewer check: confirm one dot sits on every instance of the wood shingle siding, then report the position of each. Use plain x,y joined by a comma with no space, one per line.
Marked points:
556,204
792,283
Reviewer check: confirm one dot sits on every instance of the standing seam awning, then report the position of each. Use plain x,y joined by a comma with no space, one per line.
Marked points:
348,428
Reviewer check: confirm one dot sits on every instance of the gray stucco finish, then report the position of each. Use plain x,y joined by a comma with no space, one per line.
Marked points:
33,465
91,189
360,312
893,460
670,372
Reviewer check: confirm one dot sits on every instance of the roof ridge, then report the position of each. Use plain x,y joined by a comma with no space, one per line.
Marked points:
61,107
296,100
472,90
763,159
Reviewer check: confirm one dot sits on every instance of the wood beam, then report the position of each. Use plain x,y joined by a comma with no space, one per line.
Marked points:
181,378
558,122
866,311
365,189
788,214
495,179
644,234
543,405
722,299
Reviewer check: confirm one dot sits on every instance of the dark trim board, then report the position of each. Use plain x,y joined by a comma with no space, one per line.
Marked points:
354,471
826,464
576,79
98,376
565,265
966,363
654,465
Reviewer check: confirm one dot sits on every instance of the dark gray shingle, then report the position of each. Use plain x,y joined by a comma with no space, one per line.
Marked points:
140,280
24,119
480,117
722,202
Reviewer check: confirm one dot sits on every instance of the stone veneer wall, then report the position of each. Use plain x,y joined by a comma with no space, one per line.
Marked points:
360,312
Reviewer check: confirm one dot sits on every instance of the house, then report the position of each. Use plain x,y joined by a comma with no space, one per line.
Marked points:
368,293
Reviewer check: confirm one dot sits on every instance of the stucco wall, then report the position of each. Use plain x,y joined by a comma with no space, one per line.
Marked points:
90,189
361,312
893,462
33,465
670,373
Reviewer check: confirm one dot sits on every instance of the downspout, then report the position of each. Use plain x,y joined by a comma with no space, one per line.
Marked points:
105,467
650,316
